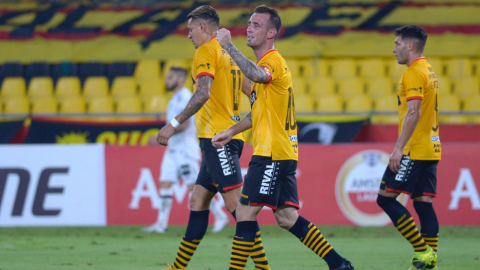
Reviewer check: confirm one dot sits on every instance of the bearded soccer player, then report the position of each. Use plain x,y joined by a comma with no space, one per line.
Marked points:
275,153
216,105
412,168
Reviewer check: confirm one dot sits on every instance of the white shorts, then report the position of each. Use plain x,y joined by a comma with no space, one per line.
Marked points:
175,166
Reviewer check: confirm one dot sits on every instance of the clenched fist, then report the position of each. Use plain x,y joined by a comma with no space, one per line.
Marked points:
224,37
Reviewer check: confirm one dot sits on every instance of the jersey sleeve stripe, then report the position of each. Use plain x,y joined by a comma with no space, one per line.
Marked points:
410,98
205,74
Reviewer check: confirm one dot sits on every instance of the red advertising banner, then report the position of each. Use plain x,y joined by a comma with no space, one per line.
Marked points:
337,184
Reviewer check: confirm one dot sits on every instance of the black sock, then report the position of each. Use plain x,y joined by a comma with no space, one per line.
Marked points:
403,221
314,240
428,222
196,229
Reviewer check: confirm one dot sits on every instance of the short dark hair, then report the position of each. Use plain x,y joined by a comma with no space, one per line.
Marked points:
413,32
179,70
275,21
207,13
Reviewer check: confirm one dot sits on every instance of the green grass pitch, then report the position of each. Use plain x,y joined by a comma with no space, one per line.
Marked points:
120,248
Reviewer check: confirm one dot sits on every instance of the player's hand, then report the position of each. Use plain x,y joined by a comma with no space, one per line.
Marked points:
224,37
152,141
221,139
395,159
164,134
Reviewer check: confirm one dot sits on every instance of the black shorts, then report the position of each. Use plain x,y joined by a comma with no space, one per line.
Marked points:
415,178
270,183
220,169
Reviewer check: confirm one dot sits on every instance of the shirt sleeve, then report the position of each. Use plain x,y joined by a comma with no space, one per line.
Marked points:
269,65
414,84
204,62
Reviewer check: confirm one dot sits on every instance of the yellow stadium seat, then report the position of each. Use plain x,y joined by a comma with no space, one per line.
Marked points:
472,105
130,104
152,87
13,87
185,64
343,68
295,67
450,103
67,87
459,67
72,104
444,85
17,105
476,67
40,87
358,103
123,87
156,104
299,85
387,107
303,103
372,68
395,70
466,86
350,86
322,86
95,87
312,68
437,65
45,105
379,87
330,103
101,105
147,69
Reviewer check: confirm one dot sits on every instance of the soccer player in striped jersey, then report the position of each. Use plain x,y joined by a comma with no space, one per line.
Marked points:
270,180
216,105
413,163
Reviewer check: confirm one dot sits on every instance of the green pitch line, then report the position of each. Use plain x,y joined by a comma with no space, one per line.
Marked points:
121,248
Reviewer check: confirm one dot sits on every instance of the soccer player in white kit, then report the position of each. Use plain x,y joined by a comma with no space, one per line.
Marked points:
182,157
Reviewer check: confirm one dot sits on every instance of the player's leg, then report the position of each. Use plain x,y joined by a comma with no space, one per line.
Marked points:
203,193
424,191
168,176
288,218
392,184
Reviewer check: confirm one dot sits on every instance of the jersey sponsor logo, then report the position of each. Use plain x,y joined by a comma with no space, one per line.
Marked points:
357,185
293,138
253,97
224,161
199,66
435,138
404,170
235,117
267,179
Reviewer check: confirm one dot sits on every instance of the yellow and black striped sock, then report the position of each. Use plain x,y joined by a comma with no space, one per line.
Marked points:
185,253
311,237
406,226
243,243
433,243
196,228
258,254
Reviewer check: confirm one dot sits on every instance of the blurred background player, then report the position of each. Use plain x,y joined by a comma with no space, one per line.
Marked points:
413,163
216,105
182,157
270,180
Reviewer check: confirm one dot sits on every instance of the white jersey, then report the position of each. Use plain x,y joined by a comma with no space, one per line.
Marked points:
184,142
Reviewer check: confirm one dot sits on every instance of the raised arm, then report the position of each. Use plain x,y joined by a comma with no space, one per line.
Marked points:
198,99
248,67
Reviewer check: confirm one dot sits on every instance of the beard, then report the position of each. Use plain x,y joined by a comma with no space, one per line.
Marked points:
173,86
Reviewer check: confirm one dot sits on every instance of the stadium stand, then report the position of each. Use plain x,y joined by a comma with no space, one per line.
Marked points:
322,86
350,86
303,103
466,87
101,104
40,87
147,69
448,104
130,104
379,86
11,69
119,69
437,65
387,107
13,87
358,103
92,69
72,104
155,104
95,87
123,87
150,87
37,69
457,68
372,68
17,105
299,86
343,68
64,69
45,105
472,105
330,103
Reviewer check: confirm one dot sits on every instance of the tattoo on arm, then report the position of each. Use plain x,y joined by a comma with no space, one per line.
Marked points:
250,69
249,116
199,98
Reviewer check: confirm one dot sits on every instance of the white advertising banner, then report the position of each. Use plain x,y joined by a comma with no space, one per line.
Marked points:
52,185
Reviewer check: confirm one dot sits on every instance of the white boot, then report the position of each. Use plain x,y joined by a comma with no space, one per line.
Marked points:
221,218
163,213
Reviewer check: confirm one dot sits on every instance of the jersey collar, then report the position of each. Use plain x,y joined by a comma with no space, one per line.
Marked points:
419,58
269,51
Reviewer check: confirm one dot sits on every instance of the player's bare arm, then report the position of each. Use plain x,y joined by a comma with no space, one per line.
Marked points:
409,125
248,67
198,99
222,138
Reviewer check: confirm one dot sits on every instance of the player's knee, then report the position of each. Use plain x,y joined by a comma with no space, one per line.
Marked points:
231,205
384,201
285,222
197,203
